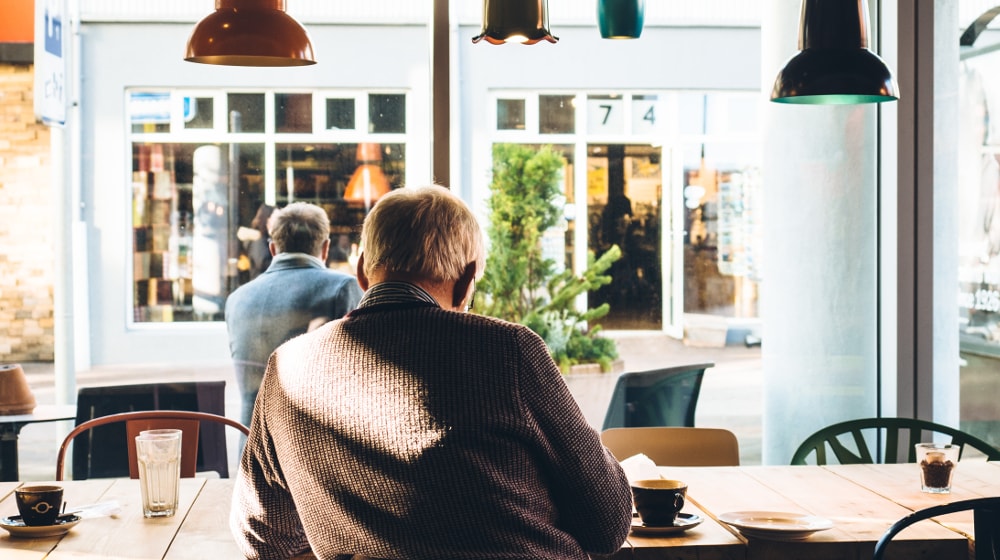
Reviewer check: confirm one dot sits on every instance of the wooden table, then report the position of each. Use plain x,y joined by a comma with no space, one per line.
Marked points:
10,428
861,500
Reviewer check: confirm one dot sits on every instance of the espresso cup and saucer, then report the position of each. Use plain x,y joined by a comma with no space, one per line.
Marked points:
658,502
39,508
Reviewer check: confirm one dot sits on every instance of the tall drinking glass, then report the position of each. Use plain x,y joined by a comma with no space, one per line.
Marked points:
159,456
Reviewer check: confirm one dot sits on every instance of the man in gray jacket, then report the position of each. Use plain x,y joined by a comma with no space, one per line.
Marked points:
297,293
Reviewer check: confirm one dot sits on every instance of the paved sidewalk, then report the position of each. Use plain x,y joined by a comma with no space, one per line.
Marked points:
730,394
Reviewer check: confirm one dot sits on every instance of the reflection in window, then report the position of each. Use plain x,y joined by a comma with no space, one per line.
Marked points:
340,114
510,114
149,111
386,113
246,112
199,112
556,114
293,112
185,212
722,194
199,206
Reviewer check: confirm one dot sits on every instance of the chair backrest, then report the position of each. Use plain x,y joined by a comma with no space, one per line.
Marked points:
986,525
659,397
189,422
675,446
101,455
848,444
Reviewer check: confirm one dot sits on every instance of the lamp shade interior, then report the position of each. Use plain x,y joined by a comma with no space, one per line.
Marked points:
515,21
250,33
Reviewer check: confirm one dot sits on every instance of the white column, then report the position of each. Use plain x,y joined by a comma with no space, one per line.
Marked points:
818,296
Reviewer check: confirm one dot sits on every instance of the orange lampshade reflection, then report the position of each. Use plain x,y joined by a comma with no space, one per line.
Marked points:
250,33
369,182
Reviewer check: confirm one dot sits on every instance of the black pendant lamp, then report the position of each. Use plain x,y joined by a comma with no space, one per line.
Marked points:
250,33
621,19
834,65
515,21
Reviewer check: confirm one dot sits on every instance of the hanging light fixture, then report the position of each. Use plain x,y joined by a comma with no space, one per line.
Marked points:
250,33
834,65
369,182
515,21
620,19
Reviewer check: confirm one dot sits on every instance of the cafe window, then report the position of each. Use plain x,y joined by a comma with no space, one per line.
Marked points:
670,178
203,186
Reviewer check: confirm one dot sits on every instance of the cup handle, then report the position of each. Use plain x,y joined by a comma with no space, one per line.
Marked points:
678,502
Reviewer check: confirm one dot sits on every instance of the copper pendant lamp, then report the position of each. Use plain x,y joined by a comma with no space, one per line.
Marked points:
834,65
368,183
250,33
620,19
515,21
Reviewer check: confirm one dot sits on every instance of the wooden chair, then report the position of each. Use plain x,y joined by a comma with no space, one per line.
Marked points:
675,446
101,454
660,397
189,422
846,440
986,526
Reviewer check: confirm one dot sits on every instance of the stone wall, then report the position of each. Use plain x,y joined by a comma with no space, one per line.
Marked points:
26,227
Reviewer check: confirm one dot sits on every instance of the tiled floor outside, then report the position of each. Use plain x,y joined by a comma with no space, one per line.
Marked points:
730,395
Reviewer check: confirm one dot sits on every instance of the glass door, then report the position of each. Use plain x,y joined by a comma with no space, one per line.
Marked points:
624,209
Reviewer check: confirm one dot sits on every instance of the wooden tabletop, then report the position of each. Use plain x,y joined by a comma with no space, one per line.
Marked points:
862,501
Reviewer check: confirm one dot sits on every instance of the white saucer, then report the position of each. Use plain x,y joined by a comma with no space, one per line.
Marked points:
684,522
16,527
776,525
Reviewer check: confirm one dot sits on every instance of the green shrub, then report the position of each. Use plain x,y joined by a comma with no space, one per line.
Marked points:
522,286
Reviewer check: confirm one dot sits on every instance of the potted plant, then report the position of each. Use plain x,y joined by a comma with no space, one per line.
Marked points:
521,285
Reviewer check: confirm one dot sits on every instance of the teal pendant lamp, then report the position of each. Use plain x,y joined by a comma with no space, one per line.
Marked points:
250,33
834,65
515,21
620,19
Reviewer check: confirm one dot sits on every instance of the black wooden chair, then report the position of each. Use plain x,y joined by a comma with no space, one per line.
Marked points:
101,454
986,525
659,397
848,444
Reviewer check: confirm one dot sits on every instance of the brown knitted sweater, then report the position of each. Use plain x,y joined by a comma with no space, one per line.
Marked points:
408,431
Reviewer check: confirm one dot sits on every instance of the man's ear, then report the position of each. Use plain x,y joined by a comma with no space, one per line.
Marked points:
463,287
360,269
272,248
324,251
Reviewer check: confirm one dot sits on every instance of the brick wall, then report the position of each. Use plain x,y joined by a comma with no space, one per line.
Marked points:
26,227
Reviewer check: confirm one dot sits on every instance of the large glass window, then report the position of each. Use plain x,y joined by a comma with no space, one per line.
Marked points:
670,178
202,190
978,196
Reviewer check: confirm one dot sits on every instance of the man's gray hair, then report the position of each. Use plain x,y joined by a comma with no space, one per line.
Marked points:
299,227
425,232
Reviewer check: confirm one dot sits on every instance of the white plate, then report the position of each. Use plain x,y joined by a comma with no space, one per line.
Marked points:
16,527
776,525
684,522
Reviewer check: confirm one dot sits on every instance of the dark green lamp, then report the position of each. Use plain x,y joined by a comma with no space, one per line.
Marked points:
834,65
620,19
515,21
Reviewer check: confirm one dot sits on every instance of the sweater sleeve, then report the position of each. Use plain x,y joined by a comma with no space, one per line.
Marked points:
263,517
589,487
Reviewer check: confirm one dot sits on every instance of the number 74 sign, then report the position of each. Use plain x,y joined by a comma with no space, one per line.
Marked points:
608,115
